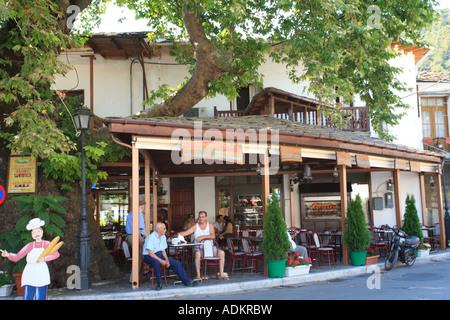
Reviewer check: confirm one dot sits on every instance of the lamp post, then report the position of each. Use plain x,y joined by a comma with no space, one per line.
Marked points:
81,119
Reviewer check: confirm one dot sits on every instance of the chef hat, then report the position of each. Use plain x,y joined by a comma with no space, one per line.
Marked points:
35,223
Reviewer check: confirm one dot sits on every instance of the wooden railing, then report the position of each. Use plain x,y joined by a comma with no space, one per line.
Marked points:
357,117
437,144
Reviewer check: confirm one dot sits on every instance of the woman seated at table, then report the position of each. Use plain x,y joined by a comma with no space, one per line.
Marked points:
228,228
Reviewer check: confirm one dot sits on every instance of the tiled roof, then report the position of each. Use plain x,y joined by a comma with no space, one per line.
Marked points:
268,122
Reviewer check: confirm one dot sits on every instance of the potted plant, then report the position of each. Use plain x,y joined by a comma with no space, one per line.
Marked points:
161,193
275,244
6,284
357,235
372,256
296,265
411,223
424,250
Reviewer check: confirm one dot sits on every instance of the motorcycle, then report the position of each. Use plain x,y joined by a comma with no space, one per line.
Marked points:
403,248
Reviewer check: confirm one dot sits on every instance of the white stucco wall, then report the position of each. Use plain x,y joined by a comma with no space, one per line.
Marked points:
205,196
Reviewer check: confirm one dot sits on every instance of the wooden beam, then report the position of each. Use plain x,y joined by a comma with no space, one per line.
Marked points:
291,187
135,210
155,200
344,205
423,199
147,196
438,178
398,207
265,192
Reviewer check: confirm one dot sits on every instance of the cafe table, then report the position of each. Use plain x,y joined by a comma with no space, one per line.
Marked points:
184,247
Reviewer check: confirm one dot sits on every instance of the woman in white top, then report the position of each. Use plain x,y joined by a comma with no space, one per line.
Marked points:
203,230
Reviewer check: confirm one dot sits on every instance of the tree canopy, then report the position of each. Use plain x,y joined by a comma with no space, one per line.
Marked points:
341,47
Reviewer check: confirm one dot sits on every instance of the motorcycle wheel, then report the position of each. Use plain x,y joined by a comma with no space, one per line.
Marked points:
391,260
410,258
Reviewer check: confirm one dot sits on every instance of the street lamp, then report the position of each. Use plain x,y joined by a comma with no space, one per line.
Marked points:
81,120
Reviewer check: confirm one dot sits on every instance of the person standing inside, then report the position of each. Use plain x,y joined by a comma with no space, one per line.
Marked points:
35,276
129,224
154,253
203,230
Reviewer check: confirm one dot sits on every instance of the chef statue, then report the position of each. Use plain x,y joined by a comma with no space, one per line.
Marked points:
36,276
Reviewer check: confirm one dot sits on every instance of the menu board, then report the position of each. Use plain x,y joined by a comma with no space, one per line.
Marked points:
22,175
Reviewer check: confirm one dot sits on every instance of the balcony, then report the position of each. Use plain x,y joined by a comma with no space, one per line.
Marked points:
284,105
440,144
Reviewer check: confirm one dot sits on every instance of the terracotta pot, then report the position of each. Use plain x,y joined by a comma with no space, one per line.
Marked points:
372,260
20,289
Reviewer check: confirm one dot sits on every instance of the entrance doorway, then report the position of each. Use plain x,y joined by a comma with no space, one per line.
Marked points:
182,202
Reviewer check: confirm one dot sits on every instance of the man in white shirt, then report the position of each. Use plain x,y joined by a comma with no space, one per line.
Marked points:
203,230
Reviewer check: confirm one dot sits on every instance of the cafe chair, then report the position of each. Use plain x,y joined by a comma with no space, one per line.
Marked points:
323,251
209,256
234,256
149,268
310,245
250,254
430,237
116,250
378,241
127,257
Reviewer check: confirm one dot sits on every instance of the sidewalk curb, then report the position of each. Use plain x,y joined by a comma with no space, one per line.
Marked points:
204,288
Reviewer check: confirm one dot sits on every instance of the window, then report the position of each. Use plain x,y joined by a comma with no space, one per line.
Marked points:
434,117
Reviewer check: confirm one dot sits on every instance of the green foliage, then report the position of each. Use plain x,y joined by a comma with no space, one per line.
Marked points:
411,223
275,245
5,279
357,235
438,36
46,208
328,44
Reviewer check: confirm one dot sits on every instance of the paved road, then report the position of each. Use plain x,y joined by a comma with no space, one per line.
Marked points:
423,281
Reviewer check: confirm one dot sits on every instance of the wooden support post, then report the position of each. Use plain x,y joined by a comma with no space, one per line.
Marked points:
398,206
147,195
265,193
135,210
292,205
155,200
438,178
423,198
344,205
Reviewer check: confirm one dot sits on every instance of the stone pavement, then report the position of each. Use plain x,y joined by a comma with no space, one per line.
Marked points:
122,290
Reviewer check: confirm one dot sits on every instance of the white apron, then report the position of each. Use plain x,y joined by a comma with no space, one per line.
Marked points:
35,274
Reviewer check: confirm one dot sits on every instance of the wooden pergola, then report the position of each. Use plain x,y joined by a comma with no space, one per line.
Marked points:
154,143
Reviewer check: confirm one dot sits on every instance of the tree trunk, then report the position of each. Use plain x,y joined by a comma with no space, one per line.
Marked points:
102,265
211,64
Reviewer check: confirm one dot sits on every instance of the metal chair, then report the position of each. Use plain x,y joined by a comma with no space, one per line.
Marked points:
250,254
209,256
149,268
322,251
234,256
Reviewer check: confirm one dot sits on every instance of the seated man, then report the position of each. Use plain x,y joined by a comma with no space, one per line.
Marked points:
203,230
154,252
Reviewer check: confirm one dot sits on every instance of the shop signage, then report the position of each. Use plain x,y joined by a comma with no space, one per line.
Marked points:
415,166
400,164
362,161
2,194
343,159
211,152
22,175
290,154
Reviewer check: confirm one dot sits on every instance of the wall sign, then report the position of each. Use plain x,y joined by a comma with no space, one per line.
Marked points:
400,164
414,166
362,161
212,151
22,175
343,159
290,154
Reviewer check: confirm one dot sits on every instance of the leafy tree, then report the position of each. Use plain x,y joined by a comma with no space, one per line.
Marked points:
341,48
